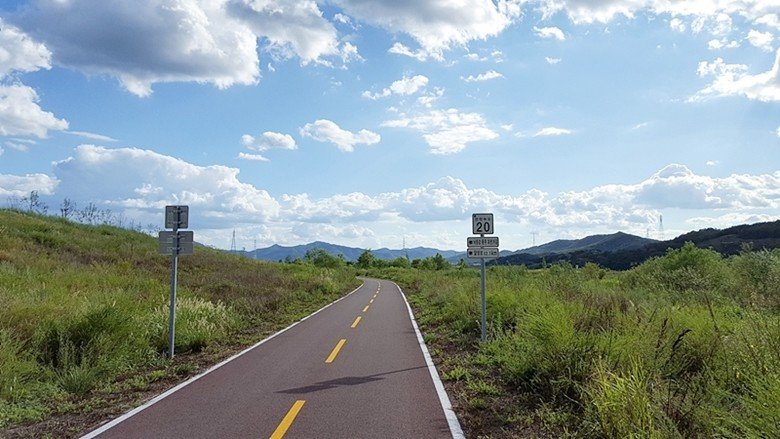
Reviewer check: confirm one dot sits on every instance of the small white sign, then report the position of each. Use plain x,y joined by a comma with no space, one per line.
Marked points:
478,241
186,242
482,224
482,253
177,216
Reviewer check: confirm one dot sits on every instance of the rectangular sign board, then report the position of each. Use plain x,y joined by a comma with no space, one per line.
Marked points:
186,240
477,241
171,217
482,224
482,253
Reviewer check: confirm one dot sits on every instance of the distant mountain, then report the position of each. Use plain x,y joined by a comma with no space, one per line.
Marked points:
599,243
727,242
281,253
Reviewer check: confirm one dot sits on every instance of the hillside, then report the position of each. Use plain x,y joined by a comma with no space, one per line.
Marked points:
281,253
727,242
596,243
83,321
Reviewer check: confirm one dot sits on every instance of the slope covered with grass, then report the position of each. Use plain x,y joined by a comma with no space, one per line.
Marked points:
84,309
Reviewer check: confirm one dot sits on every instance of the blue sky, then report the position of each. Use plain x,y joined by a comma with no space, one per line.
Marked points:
367,123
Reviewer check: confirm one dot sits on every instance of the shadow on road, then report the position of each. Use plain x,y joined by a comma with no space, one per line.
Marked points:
344,381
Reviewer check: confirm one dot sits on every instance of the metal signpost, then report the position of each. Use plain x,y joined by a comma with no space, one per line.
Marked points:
175,243
482,248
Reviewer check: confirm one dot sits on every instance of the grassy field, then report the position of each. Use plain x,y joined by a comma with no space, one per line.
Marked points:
685,345
84,309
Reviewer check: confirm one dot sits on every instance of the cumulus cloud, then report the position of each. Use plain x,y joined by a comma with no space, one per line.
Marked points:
292,28
734,80
405,86
269,140
446,131
723,43
19,52
677,24
550,32
762,40
324,130
147,41
552,131
551,60
435,25
22,185
20,114
141,180
487,76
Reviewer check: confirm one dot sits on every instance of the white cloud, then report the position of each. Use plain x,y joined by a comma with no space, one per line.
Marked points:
292,28
92,136
252,157
723,43
18,146
269,140
552,131
770,20
733,80
710,14
20,114
435,25
324,130
419,55
405,86
446,131
143,180
550,32
430,98
487,76
552,61
777,131
762,40
712,163
22,185
730,219
146,42
677,24
19,53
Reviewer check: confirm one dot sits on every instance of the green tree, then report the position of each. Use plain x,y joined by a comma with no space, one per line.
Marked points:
321,258
401,262
366,259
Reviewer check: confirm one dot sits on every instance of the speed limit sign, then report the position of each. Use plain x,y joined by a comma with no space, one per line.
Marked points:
482,224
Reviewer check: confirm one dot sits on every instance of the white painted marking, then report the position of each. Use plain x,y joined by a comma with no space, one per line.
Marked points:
169,392
446,405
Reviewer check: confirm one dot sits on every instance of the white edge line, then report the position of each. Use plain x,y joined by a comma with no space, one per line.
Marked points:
449,413
102,429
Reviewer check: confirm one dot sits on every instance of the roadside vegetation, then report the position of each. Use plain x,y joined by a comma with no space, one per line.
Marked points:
84,316
684,345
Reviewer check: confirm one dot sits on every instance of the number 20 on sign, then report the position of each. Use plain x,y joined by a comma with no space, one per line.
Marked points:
482,224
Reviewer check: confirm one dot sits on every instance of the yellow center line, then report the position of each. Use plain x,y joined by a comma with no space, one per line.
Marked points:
355,323
336,350
371,301
288,420
366,308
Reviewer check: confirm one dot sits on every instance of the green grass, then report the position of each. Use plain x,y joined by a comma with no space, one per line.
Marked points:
84,307
685,345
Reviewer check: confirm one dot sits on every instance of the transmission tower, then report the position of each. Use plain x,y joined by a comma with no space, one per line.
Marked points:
661,226
533,237
254,255
233,242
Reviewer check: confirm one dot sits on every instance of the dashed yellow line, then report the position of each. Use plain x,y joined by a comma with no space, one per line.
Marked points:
336,350
366,308
355,323
288,420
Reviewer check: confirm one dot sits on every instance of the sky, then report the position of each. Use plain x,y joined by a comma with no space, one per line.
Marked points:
378,123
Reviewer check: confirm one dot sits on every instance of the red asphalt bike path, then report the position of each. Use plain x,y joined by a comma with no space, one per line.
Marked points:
377,385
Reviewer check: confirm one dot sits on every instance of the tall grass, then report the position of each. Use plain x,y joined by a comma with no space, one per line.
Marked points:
83,306
685,345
